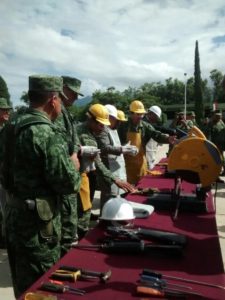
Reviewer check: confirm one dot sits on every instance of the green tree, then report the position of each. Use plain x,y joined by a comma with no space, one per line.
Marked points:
110,96
4,90
198,93
24,98
78,113
216,77
174,91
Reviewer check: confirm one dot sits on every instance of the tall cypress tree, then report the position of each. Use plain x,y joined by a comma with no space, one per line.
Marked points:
4,90
198,94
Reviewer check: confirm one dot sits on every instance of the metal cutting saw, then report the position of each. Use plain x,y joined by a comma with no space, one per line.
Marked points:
193,159
196,160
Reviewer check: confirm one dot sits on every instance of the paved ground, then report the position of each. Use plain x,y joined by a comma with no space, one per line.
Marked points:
6,292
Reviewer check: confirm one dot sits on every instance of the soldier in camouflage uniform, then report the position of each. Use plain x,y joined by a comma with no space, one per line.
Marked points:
216,133
4,116
190,121
65,126
112,155
179,122
138,133
97,118
37,171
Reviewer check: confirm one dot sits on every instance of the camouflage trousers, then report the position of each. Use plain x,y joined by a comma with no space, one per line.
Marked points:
31,253
3,197
83,219
69,220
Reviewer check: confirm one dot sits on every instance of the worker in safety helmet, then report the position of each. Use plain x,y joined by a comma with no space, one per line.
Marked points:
152,117
138,133
97,119
112,154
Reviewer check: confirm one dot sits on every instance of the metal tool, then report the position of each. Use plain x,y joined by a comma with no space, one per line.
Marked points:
165,237
85,274
66,275
195,159
159,275
161,282
134,247
57,287
164,292
177,190
119,247
171,250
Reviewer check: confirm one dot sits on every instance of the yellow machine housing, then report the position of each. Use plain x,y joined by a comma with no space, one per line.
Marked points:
196,159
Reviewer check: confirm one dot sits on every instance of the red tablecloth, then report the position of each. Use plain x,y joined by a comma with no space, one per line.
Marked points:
202,259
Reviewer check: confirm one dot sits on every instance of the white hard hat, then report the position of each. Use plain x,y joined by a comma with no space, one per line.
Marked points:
117,209
156,110
112,110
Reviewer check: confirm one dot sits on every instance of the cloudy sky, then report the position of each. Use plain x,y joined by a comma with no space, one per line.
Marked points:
106,43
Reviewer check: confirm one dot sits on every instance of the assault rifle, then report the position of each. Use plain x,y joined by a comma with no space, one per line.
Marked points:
164,237
128,247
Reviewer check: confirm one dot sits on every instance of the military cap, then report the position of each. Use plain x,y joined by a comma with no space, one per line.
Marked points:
4,104
191,113
180,113
46,83
72,83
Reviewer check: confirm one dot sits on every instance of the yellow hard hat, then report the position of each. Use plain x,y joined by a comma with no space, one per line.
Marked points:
121,116
137,107
99,113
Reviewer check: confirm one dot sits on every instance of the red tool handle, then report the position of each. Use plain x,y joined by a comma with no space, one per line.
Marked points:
149,291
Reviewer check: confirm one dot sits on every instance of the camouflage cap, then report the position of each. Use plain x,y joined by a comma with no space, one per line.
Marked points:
180,113
4,104
46,83
191,113
72,83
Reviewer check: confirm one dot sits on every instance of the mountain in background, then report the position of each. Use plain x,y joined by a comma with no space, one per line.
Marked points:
83,101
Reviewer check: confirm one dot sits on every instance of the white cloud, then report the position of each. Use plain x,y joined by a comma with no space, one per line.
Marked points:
108,43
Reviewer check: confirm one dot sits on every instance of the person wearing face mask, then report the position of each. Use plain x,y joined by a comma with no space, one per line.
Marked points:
137,132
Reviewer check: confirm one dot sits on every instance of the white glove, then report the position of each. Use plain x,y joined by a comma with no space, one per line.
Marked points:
89,151
129,149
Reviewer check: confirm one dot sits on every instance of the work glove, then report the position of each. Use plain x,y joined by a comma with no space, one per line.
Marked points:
89,151
129,149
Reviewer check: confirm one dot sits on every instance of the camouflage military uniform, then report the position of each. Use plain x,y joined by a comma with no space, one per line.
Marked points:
190,119
2,201
69,219
88,139
42,171
147,132
217,134
112,157
4,109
